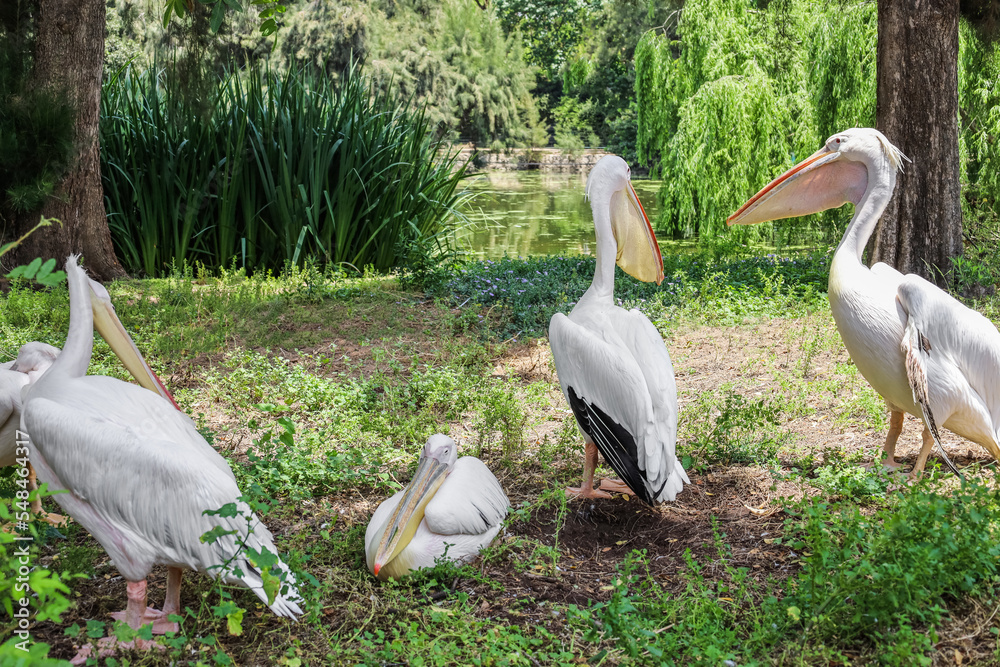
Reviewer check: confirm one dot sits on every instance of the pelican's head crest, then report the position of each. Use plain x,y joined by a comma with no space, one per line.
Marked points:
892,154
610,172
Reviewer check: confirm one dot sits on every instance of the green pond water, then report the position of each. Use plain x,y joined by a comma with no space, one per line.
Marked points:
521,213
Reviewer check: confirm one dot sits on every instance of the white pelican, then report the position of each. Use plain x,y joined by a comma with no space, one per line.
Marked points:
453,507
922,350
32,360
138,473
612,364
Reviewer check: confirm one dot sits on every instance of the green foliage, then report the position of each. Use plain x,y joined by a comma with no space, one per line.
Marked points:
28,593
979,101
36,126
279,466
455,59
40,272
572,134
709,623
601,73
733,431
877,577
531,290
327,36
552,29
744,92
851,481
269,171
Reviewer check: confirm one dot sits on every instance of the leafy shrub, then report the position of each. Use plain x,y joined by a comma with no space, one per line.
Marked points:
531,290
743,431
269,171
876,577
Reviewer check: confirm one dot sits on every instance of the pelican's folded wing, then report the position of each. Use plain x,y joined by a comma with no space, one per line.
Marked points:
470,502
958,351
607,391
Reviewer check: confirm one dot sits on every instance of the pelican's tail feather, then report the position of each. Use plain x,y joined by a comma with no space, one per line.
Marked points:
256,552
675,483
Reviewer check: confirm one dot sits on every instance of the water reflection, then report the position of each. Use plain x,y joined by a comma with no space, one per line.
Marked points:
521,213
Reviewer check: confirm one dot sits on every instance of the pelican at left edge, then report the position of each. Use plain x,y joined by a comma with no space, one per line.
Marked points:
138,475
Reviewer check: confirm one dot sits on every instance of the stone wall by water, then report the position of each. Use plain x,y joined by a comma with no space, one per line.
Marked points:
543,159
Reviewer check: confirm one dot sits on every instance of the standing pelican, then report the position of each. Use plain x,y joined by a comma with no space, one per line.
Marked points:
612,364
922,350
138,475
453,507
32,360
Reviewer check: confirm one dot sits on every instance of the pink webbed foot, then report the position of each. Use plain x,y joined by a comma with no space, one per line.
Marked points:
161,624
586,492
616,486
108,646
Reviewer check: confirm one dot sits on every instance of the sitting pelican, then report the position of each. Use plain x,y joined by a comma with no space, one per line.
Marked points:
452,508
138,475
612,364
922,350
32,360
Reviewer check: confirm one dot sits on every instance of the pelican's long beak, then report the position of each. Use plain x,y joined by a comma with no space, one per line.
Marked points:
638,252
110,327
819,182
402,525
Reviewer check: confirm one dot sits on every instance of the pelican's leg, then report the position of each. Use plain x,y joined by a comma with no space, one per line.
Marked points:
171,604
36,504
925,451
136,613
895,428
589,465
134,616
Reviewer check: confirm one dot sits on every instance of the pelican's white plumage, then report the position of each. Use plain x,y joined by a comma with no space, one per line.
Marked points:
137,472
462,516
921,349
612,364
32,360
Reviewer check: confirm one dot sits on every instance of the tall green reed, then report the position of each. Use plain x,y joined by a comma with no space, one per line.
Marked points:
270,171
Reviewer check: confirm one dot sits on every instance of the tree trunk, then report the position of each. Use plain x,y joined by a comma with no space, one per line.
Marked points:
69,56
917,109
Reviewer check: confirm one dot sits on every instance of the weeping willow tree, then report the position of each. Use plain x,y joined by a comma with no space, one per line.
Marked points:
743,91
979,123
454,60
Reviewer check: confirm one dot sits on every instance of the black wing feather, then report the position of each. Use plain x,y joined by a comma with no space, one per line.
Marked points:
615,443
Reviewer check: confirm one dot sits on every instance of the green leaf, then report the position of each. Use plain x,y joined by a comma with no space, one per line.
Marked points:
234,622
218,14
213,535
227,511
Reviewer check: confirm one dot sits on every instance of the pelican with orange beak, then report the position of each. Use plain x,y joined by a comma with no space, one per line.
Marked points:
138,475
922,350
612,364
452,508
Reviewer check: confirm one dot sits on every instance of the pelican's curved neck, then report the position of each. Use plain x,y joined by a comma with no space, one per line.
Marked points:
881,183
603,286
75,356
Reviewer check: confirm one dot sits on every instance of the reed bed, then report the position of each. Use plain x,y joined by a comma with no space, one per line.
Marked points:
267,171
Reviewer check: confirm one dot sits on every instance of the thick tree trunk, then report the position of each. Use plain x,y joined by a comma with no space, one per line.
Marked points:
921,230
69,55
